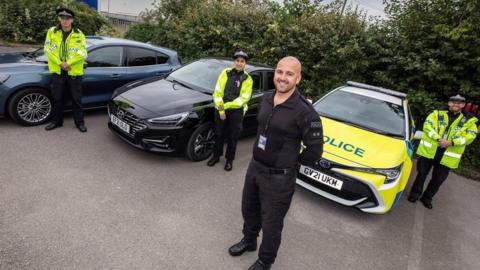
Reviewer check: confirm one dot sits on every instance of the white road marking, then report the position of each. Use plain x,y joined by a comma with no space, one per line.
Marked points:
415,253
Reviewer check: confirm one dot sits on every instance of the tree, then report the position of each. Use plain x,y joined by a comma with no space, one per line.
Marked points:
28,20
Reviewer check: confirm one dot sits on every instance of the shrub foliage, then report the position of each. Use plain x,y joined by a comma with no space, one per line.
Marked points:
429,49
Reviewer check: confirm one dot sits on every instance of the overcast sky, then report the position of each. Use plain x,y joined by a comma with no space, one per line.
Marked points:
372,7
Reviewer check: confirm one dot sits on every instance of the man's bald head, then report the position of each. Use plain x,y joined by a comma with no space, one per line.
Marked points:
287,74
292,61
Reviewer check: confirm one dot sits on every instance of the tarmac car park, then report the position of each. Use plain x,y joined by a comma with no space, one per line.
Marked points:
56,215
367,158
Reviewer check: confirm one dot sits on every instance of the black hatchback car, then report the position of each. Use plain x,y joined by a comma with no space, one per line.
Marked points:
175,113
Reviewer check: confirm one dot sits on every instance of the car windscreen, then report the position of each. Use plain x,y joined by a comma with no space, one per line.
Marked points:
365,112
202,74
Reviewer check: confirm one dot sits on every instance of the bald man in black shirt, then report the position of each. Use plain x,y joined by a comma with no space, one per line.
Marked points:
285,119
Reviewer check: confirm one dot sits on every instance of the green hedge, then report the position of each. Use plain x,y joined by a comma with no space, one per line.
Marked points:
27,21
429,49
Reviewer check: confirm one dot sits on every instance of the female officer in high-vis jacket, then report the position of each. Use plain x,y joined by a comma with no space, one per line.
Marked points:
231,95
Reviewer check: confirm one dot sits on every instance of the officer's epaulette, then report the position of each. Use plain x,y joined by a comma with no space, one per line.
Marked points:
468,115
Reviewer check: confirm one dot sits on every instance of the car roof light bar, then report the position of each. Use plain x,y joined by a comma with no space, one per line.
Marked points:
378,89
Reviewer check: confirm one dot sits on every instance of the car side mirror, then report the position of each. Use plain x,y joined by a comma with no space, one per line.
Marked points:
85,64
418,135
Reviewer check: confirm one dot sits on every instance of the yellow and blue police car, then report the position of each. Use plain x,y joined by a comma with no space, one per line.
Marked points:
367,157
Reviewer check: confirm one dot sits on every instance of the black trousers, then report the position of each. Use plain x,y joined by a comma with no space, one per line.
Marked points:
64,86
267,194
439,175
227,129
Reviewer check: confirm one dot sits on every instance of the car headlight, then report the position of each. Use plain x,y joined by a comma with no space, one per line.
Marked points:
169,120
4,78
391,175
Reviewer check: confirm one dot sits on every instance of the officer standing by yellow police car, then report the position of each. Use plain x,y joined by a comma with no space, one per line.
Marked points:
285,119
445,136
65,47
232,93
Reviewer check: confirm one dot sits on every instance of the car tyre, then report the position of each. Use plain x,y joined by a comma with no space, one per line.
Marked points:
31,107
201,143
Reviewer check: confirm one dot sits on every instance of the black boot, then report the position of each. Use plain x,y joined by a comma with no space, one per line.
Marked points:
52,126
242,246
259,265
228,165
82,128
213,161
426,203
412,198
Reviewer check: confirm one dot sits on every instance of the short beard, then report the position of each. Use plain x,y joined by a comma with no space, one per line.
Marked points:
287,91
454,111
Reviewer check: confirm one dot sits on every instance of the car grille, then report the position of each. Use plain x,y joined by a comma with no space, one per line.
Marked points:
352,189
135,123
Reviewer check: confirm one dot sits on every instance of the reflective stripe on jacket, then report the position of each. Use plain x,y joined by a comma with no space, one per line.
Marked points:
243,98
461,132
76,50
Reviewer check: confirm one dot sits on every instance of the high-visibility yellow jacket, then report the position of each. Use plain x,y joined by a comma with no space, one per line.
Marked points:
244,95
73,51
461,132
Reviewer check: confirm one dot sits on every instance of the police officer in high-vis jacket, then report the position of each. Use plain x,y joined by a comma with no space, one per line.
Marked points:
446,133
65,47
285,121
232,93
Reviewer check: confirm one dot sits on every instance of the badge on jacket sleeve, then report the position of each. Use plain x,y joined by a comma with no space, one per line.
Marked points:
262,142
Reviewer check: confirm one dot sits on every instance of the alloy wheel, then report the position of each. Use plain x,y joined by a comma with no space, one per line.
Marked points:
204,143
34,107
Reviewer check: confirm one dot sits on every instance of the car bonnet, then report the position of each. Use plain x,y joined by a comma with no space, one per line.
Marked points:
163,97
352,146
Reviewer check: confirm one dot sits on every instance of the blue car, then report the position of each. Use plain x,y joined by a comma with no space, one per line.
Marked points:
25,85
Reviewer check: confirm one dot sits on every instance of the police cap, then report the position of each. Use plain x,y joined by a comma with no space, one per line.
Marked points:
65,12
240,53
457,98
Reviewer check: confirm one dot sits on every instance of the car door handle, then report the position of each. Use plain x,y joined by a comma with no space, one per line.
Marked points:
115,76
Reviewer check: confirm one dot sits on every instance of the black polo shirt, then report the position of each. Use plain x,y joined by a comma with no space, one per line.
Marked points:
284,127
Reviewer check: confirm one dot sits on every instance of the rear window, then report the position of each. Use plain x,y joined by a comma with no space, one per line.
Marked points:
161,58
141,57
365,112
257,82
270,83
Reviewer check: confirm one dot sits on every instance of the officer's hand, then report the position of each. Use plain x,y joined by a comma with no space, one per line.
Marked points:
64,66
441,143
444,143
223,116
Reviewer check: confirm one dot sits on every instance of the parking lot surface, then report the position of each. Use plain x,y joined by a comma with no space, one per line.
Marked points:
70,200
